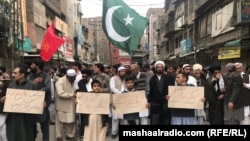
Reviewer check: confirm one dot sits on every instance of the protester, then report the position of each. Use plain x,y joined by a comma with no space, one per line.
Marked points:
21,126
65,106
217,87
84,85
246,91
43,80
95,124
160,114
183,116
234,100
117,86
140,83
131,117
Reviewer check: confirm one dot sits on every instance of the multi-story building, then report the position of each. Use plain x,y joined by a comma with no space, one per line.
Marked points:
207,32
28,22
97,40
5,13
155,16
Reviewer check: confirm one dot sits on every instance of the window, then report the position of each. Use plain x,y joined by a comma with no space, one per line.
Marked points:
209,23
218,24
203,26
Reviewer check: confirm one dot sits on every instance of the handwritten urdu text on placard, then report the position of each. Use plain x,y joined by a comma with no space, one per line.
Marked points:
130,102
186,97
93,103
24,101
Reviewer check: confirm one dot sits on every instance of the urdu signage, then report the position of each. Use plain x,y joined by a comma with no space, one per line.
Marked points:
229,53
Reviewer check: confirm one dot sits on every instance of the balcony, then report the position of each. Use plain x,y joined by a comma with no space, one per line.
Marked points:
53,5
171,9
170,31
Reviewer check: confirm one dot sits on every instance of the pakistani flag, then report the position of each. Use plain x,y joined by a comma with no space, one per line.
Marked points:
122,25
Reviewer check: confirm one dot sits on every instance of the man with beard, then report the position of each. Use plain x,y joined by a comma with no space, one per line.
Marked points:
159,82
84,86
245,94
233,99
140,84
117,86
42,79
216,91
65,106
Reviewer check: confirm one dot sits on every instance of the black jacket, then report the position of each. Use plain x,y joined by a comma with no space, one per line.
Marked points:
157,95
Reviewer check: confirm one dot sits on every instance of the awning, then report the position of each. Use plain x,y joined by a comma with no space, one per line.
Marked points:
56,56
31,55
172,57
69,60
186,54
235,43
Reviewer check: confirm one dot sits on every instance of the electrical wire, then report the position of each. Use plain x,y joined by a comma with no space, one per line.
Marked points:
130,3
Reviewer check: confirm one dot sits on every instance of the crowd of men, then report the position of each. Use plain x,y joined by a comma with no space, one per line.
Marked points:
226,97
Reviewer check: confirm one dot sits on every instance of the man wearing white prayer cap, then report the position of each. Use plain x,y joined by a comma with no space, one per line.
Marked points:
117,86
197,73
71,75
71,72
158,91
160,62
65,107
197,67
121,68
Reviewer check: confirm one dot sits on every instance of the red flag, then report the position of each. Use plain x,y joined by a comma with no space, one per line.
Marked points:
51,42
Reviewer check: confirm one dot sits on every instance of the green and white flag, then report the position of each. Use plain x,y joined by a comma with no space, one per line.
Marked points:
122,25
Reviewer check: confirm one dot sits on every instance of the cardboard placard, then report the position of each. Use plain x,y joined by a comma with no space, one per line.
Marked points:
93,103
186,97
24,101
130,102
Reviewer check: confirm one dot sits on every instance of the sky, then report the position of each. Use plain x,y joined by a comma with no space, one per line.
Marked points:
93,8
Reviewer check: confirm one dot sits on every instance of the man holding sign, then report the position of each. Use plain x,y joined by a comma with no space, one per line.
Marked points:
17,122
182,116
65,106
95,124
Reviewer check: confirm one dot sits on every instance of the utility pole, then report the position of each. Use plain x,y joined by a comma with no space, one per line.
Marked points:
94,22
95,40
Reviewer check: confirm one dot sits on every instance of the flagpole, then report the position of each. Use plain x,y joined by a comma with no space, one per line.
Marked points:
57,52
58,55
110,52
